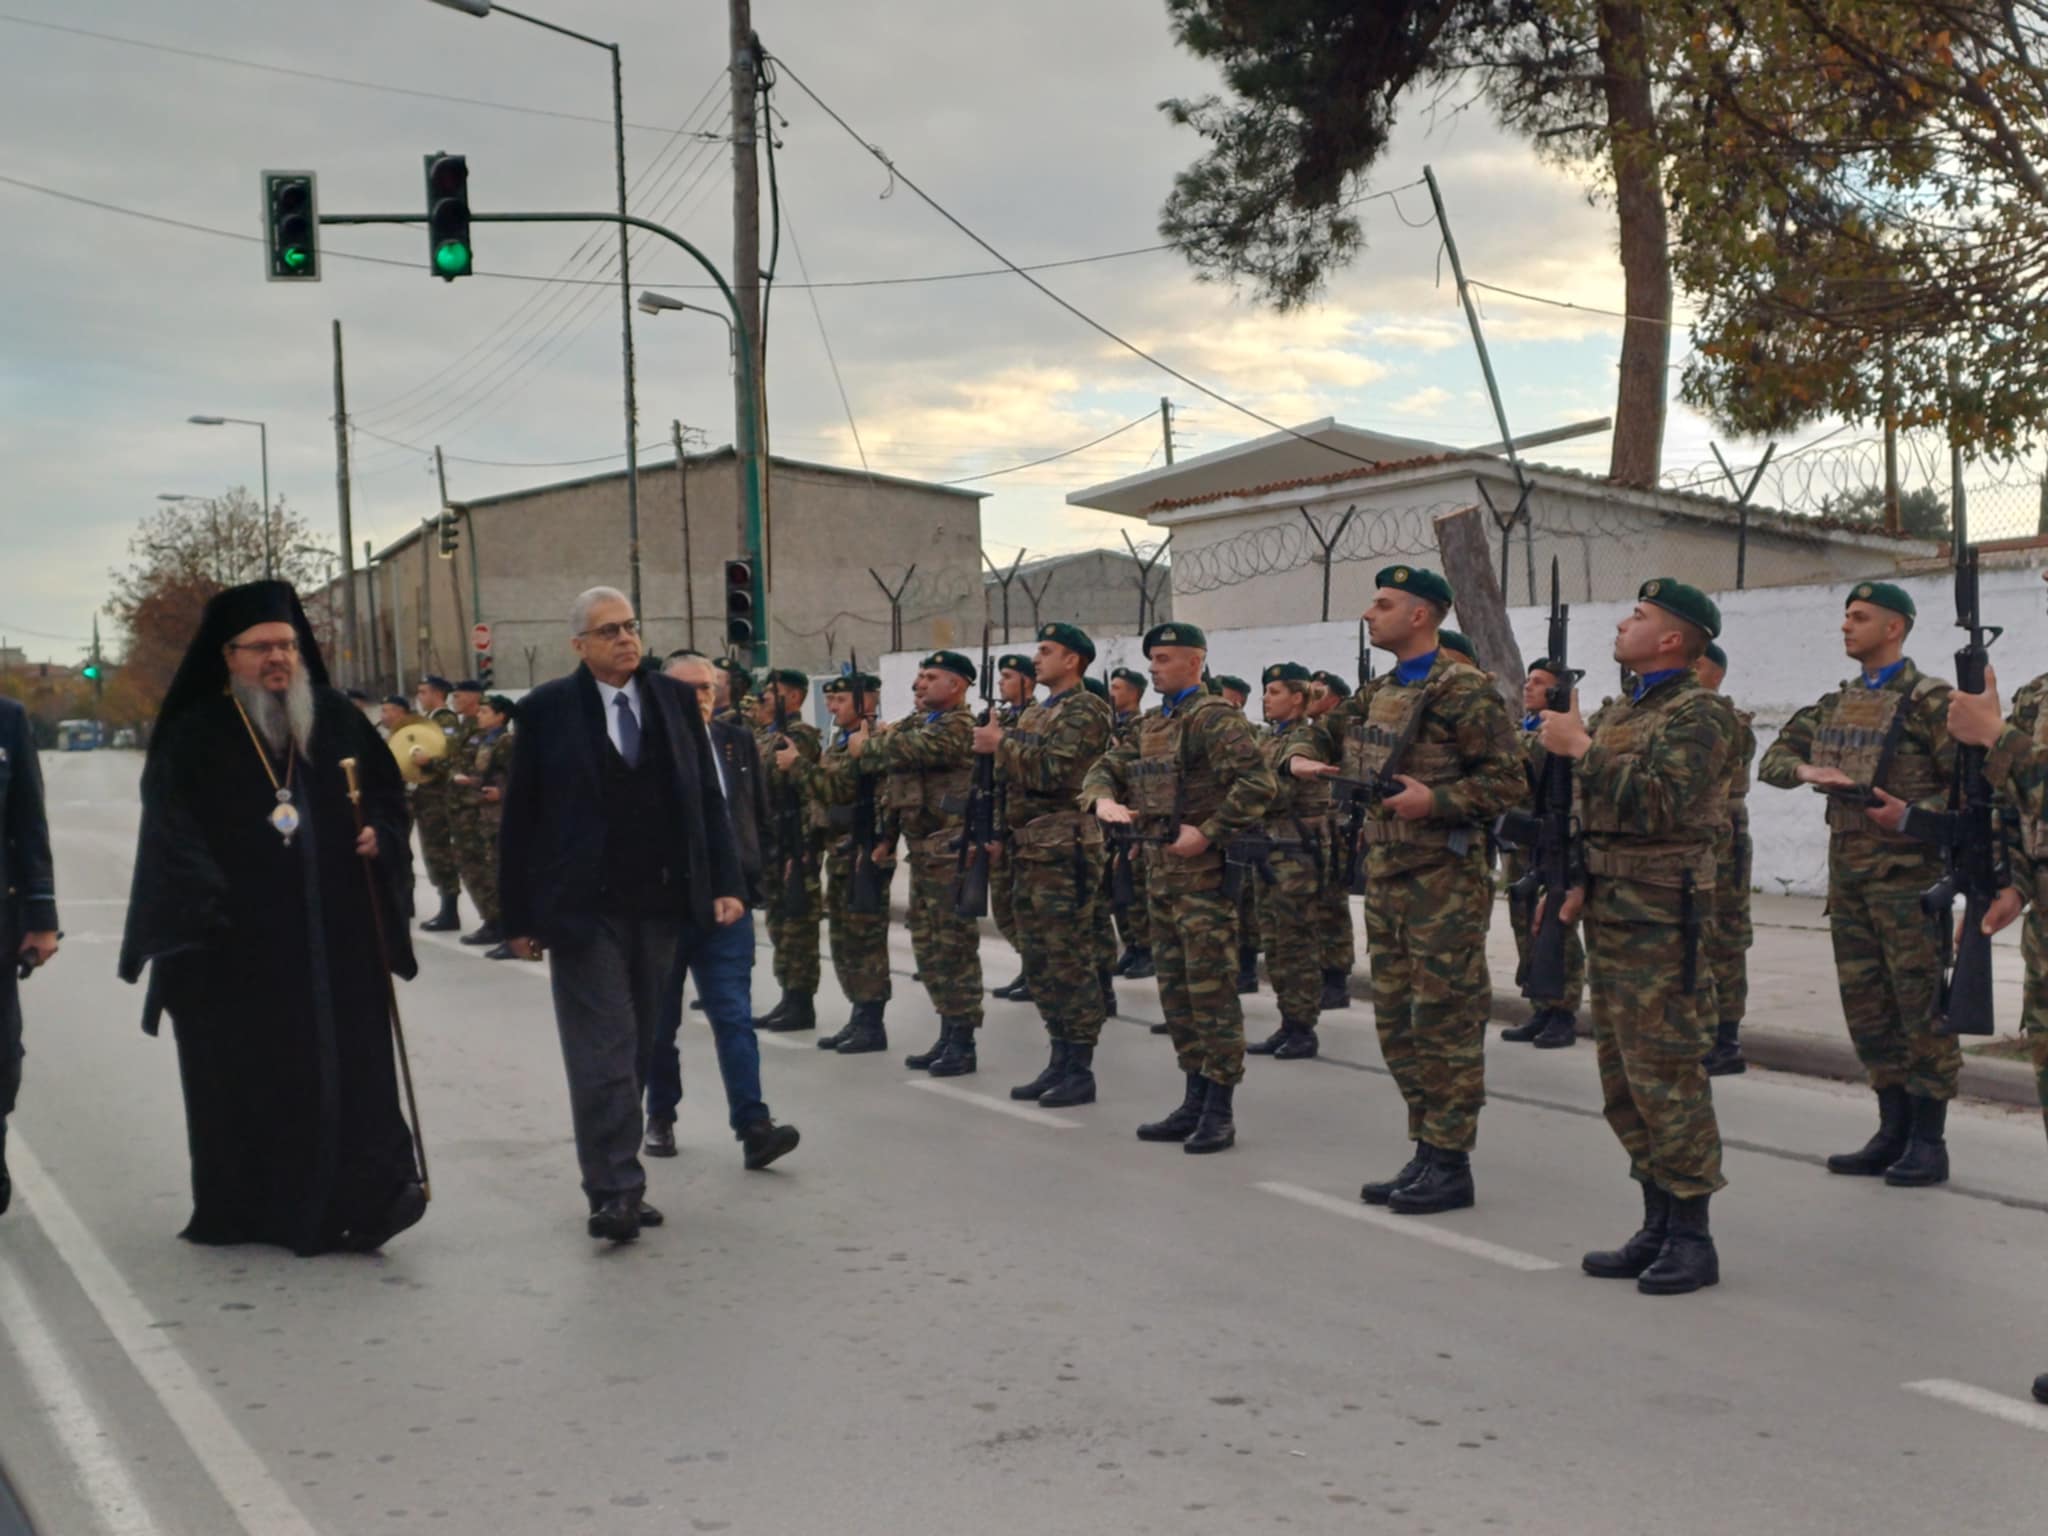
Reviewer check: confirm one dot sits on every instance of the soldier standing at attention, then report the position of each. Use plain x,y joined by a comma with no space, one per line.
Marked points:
1237,694
1191,777
1297,828
1435,725
926,762
1016,683
1459,647
1126,695
1651,786
479,809
1878,746
1102,939
792,929
433,803
1336,945
1055,855
1728,941
1553,1021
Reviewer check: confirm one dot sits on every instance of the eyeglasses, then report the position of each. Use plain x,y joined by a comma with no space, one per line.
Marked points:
611,631
266,647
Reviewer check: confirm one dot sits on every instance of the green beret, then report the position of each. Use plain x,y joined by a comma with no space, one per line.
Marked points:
1417,581
1137,680
789,677
1689,603
1452,640
1717,656
469,685
1884,595
502,705
1172,633
838,685
727,664
1286,672
1332,681
1545,664
949,661
1014,662
1096,686
1235,685
1072,636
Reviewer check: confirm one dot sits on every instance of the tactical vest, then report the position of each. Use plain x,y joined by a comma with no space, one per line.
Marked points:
1627,732
1163,784
927,790
2034,829
1852,736
1371,742
1299,799
1024,806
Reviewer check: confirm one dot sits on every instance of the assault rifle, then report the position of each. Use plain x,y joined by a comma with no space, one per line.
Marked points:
1123,847
1549,833
791,841
978,823
867,890
1968,833
1364,656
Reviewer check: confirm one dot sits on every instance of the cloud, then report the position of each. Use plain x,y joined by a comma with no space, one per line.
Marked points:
1424,401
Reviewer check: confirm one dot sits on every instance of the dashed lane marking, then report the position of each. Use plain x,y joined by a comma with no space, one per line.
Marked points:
1994,1405
1421,1228
1024,1112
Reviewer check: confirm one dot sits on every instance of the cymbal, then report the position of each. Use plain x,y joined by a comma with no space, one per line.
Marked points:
427,737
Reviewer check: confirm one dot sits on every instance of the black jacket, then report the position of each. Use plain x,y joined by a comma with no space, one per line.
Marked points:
747,795
28,883
551,841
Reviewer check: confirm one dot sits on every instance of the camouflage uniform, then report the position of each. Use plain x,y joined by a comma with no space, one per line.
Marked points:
1652,798
1195,760
1514,863
1135,923
1727,941
929,762
486,758
860,940
2017,767
433,805
794,934
1429,891
1297,821
1002,903
1887,951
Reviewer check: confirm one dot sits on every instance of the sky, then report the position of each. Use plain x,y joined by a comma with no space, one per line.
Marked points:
1036,125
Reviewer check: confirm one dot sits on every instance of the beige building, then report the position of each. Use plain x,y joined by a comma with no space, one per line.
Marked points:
522,557
1097,589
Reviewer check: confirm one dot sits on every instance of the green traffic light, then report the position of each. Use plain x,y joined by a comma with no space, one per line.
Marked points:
296,257
451,258
92,673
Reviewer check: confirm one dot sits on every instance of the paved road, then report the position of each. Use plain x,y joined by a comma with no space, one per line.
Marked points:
940,1314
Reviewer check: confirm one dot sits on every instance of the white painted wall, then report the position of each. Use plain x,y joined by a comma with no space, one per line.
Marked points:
1784,651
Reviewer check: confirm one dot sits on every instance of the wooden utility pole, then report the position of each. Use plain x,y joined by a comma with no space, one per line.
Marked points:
1166,425
746,260
1482,611
352,636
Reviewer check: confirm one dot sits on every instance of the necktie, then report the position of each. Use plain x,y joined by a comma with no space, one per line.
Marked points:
629,732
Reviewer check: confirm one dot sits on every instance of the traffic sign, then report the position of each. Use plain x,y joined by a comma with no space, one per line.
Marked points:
480,637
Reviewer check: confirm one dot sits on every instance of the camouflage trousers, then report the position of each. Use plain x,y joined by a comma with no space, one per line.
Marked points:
1135,924
2034,1020
1194,946
1649,1037
947,947
1056,902
1888,962
1287,934
434,817
1002,896
476,859
1512,867
860,940
1729,936
795,934
1102,935
1431,994
1248,911
1336,946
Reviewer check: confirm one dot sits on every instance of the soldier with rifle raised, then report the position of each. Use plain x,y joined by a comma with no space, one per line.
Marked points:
1016,686
1878,747
796,898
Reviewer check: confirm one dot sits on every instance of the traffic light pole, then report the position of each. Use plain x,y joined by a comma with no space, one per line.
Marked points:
748,399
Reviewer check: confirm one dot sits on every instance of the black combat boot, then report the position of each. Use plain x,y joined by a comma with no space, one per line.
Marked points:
1009,990
1078,1085
1139,966
1530,1028
796,1012
1445,1185
1270,1045
1180,1125
6,1183
1108,993
2040,1381
1336,991
1560,1030
1297,1041
1894,1130
1641,1250
1413,1169
1121,966
1162,1028
485,936
1724,1058
1926,1157
1216,1131
867,1034
769,1019
832,1041
922,1061
1689,1260
956,1050
1247,970
1055,1068
447,920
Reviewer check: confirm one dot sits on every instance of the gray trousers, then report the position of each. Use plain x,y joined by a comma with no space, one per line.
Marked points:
607,1001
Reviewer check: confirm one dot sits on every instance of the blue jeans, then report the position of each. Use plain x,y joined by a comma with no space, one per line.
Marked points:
722,962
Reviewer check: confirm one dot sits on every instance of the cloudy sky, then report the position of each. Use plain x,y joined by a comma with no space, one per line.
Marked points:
1037,125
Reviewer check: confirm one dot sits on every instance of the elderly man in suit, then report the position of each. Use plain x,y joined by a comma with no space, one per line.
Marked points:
721,961
616,853
28,901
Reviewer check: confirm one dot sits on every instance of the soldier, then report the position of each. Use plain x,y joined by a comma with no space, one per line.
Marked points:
1459,646
433,799
1553,1021
480,808
1102,943
1879,746
1436,725
1651,786
1126,695
1016,683
1055,854
797,841
1237,693
926,763
1297,836
1728,941
1235,690
392,712
1336,944
1189,779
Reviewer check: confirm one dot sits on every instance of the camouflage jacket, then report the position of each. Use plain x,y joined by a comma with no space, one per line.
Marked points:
436,772
1045,757
926,760
1218,743
2017,766
1295,799
486,758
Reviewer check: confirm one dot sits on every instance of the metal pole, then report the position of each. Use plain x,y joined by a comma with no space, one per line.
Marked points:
269,554
355,671
373,652
689,580
746,281
626,320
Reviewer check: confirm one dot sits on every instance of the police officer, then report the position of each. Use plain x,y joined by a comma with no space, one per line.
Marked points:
1126,697
1336,944
1553,1021
1190,779
1437,727
1016,685
433,800
796,893
1652,791
1728,941
1298,857
1877,747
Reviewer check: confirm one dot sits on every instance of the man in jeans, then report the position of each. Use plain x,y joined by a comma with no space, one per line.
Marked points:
721,959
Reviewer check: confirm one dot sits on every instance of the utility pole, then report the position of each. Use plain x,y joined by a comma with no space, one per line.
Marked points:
1166,425
352,646
454,582
746,278
99,672
373,641
683,491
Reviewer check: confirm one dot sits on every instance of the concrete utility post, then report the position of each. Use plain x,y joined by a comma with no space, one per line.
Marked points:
746,286
353,667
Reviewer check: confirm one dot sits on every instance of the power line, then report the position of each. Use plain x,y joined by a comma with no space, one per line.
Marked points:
456,458
10,630
1049,458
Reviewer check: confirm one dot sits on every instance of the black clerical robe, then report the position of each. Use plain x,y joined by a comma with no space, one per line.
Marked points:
264,955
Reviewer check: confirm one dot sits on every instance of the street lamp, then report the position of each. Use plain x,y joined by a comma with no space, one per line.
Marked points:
652,303
263,433
486,8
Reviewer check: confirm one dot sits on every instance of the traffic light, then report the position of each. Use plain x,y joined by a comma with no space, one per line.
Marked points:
451,535
448,246
291,227
484,668
739,604
92,671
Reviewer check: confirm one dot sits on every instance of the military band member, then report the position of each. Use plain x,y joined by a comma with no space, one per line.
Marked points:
431,804
1016,685
1336,944
1728,941
792,929
1126,697
1553,1021
1237,693
479,808
1878,746
1191,778
1297,833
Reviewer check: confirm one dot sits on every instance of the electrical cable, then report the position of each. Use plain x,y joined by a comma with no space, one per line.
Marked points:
1052,457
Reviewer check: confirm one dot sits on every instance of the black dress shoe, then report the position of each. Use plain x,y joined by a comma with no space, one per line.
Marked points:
1162,1029
405,1210
661,1138
764,1141
921,1061
485,936
501,952
2040,1384
617,1220
649,1216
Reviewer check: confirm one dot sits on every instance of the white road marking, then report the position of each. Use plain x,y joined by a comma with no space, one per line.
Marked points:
1412,1226
88,1444
1980,1400
259,1501
1001,1106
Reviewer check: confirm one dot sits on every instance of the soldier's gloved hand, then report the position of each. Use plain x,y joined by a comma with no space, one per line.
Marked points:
1190,843
2005,906
1889,812
1975,719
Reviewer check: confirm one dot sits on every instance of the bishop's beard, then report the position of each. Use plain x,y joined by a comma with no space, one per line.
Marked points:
281,719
